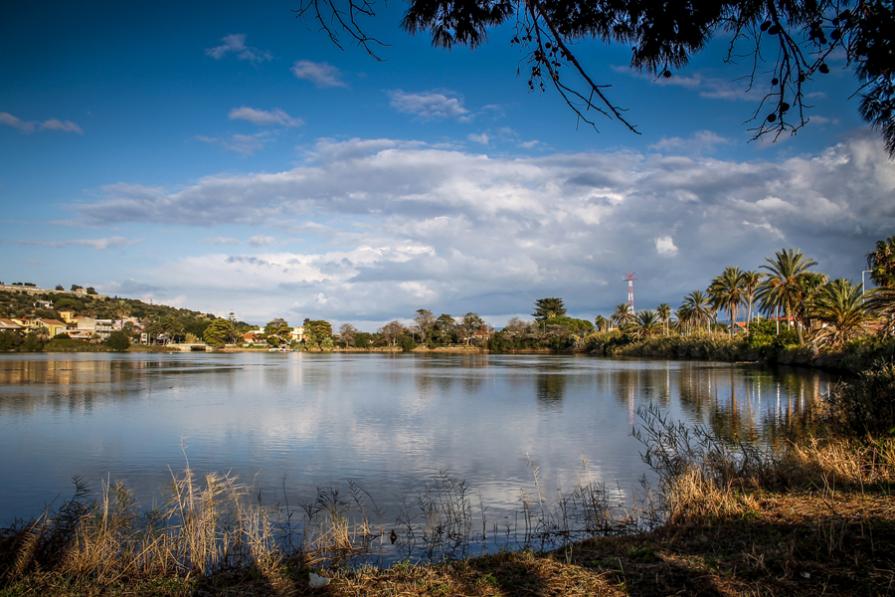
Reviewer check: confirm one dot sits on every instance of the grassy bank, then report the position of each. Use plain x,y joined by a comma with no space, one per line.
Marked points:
818,520
758,346
793,544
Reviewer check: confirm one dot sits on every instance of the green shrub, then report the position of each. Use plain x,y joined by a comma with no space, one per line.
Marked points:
863,353
406,343
11,341
32,343
602,343
764,339
715,347
363,340
118,341
866,405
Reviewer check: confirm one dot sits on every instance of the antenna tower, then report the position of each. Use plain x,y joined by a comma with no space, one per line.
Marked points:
630,280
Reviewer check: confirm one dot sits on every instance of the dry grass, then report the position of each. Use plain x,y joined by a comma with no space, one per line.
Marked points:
692,497
813,517
838,462
206,527
792,544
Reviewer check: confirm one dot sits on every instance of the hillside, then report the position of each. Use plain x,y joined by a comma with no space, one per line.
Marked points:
33,302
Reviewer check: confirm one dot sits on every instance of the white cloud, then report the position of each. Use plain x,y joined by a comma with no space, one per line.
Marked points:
52,124
706,86
15,122
823,120
665,246
100,244
411,225
238,143
697,142
261,240
320,74
771,203
766,227
64,126
430,105
482,138
235,44
223,240
275,117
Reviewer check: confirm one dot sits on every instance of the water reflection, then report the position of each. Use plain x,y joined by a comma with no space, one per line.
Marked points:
550,388
390,422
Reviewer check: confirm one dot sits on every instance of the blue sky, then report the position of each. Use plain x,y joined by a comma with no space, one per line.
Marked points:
227,157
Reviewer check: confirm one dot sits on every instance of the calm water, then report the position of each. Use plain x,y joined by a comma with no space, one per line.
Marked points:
390,423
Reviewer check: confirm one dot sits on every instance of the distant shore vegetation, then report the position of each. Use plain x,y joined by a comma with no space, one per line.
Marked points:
783,311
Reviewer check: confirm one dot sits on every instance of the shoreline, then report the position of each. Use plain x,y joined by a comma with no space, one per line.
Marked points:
823,362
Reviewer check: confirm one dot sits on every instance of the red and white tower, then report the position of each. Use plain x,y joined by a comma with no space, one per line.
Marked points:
630,279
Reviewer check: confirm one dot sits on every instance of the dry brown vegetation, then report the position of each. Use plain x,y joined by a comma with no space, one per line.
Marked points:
798,543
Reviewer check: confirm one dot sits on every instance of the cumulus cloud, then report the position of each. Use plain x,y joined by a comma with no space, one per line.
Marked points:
275,117
29,126
421,225
320,74
235,45
430,105
665,246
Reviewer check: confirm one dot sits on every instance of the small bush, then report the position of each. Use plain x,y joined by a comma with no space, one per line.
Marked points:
118,341
763,337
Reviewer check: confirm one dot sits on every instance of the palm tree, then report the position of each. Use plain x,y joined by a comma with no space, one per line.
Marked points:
646,322
881,302
699,308
751,282
622,314
783,288
840,305
601,323
881,262
684,319
664,313
726,292
811,283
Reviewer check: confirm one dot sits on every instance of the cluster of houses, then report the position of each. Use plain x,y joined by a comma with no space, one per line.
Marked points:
257,337
75,326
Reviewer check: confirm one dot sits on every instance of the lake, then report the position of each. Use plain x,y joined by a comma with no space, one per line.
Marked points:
290,423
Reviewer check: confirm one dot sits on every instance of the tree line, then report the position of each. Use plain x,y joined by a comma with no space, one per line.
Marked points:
785,297
786,291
